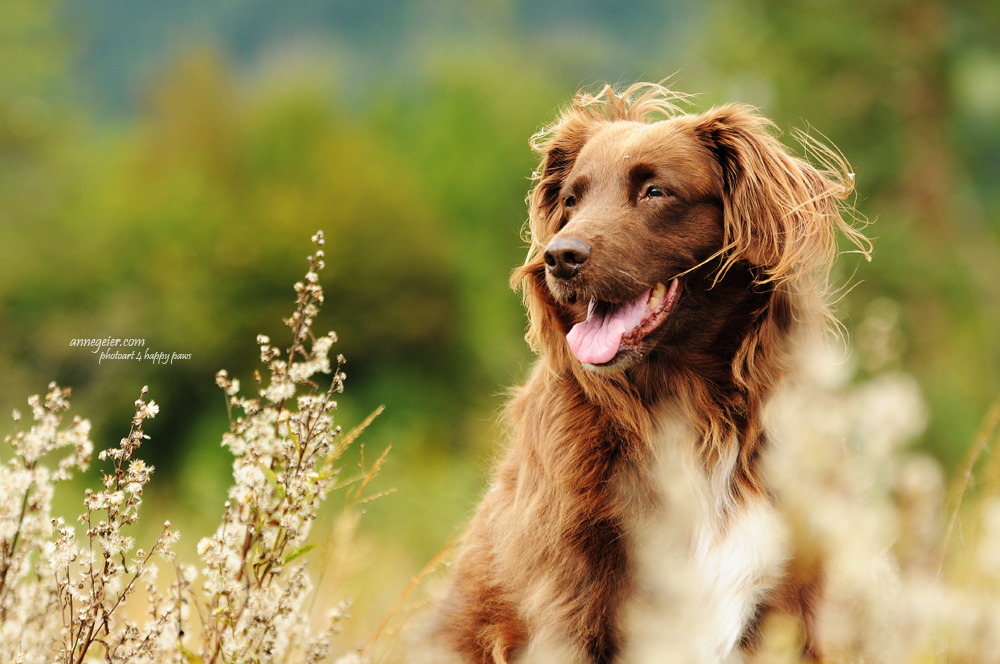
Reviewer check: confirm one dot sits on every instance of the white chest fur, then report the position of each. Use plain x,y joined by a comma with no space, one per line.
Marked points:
704,561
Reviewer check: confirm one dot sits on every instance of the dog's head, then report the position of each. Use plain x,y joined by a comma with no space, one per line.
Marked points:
634,223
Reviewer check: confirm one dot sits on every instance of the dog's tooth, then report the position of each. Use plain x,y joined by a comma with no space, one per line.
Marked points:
656,296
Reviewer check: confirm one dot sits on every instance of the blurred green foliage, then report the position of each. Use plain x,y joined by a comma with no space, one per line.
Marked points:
181,216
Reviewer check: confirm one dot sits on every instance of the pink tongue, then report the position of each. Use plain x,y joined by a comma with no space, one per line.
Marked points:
596,340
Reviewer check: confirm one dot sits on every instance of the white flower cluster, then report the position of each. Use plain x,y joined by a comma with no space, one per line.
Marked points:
90,591
835,449
27,624
69,605
61,598
283,469
856,490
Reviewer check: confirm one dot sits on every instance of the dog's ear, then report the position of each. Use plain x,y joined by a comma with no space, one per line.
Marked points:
781,213
559,146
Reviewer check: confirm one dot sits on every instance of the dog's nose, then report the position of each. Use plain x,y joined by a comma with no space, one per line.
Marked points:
565,256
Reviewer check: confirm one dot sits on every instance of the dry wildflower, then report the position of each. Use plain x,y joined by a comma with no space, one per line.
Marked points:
60,596
918,492
835,449
28,624
90,592
284,445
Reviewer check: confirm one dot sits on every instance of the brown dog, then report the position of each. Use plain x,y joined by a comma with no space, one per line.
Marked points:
671,262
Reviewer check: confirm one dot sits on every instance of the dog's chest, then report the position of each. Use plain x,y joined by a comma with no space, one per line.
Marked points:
703,561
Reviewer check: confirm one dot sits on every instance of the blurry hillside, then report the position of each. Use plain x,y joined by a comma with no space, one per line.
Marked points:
161,165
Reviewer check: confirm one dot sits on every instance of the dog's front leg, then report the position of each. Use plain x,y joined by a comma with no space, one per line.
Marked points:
478,619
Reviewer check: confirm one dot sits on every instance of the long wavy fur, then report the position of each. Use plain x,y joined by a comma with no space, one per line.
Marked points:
549,552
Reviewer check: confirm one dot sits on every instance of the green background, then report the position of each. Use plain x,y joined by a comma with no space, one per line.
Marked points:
162,166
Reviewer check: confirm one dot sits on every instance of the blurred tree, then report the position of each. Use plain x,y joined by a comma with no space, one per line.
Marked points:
466,128
34,178
188,233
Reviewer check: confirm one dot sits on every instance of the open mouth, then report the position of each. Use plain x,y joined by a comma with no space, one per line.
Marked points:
613,327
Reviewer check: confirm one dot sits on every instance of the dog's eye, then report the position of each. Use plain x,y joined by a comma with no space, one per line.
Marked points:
654,192
570,201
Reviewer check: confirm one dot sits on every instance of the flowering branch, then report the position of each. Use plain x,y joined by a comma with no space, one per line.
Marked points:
283,470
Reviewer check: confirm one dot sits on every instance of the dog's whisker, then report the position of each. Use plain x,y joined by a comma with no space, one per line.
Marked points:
636,280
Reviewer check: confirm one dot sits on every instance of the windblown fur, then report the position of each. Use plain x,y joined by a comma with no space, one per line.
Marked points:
632,500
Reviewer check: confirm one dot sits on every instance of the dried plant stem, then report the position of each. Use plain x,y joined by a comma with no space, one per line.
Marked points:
439,559
350,437
986,430
8,556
